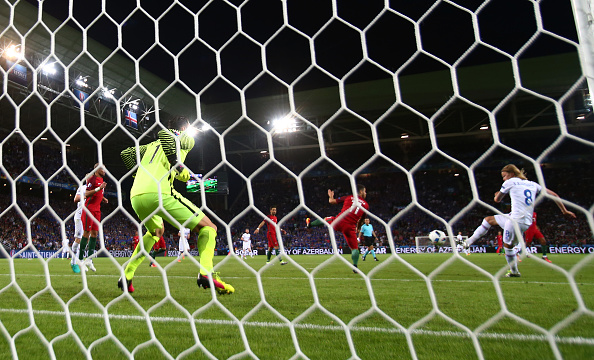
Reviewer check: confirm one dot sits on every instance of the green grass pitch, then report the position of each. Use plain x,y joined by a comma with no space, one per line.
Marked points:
279,312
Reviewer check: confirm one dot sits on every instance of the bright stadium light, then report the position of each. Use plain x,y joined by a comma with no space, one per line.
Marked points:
191,131
82,81
484,127
206,127
49,68
13,52
108,94
404,136
284,124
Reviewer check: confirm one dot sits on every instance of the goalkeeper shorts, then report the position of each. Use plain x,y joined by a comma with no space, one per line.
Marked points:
176,209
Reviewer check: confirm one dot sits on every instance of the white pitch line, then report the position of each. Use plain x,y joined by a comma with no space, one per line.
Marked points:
303,278
575,340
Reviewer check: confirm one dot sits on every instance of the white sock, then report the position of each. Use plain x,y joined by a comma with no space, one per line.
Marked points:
480,231
510,256
75,251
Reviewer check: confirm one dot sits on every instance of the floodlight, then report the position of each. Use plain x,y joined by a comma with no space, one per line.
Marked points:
484,127
49,69
82,81
284,124
13,52
404,136
191,131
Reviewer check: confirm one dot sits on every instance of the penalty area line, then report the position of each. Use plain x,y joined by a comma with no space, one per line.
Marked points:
573,340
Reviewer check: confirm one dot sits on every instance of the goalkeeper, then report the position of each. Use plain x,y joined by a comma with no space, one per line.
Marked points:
160,164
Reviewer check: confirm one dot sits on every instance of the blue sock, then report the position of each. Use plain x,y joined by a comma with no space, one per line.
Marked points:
366,252
373,253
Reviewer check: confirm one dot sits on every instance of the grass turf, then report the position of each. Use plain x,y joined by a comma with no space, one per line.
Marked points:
335,313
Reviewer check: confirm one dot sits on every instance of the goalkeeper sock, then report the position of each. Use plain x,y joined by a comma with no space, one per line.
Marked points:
268,255
206,244
355,256
83,245
92,244
480,231
148,240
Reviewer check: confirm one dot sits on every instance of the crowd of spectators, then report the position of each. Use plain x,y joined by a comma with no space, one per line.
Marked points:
441,194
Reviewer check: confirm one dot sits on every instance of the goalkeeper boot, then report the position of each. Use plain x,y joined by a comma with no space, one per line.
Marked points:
221,287
122,283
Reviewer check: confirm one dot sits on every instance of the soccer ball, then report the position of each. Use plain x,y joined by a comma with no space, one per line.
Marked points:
438,237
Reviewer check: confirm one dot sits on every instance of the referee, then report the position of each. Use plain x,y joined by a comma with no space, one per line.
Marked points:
366,236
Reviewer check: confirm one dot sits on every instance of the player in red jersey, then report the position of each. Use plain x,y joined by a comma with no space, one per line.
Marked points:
499,242
271,235
533,232
158,248
350,222
92,214
135,240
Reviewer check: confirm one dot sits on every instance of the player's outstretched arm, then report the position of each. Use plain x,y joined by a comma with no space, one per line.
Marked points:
259,226
560,204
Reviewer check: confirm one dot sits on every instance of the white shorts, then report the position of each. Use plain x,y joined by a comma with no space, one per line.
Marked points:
65,249
78,228
183,245
507,224
247,247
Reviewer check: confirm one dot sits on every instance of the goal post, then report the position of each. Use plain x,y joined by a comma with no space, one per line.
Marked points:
424,245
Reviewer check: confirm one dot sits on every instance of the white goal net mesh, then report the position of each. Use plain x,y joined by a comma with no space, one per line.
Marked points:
423,102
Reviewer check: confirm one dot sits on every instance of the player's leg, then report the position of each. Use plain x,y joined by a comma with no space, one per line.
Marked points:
180,248
480,231
317,222
95,218
508,243
543,244
278,254
78,233
371,250
185,212
270,247
350,236
84,240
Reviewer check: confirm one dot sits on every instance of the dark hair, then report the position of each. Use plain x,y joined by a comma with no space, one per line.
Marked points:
272,207
178,122
360,188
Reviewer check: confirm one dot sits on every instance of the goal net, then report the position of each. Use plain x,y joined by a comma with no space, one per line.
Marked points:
293,105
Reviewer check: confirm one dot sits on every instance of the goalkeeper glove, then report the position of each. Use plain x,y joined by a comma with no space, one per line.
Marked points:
183,176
